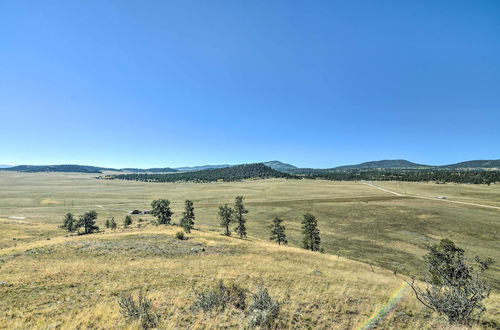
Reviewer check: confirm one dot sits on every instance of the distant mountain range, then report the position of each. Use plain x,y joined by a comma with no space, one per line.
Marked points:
202,167
275,165
404,164
82,169
396,163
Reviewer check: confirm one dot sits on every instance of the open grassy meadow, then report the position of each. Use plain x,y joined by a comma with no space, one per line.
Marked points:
53,280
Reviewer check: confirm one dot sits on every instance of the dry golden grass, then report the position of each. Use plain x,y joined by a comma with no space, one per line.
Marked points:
74,282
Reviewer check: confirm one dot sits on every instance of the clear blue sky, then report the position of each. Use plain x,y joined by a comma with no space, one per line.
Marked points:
313,83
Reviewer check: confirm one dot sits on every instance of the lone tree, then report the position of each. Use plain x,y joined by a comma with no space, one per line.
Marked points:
161,210
112,223
69,222
453,286
87,221
239,216
187,221
127,221
225,217
311,232
278,231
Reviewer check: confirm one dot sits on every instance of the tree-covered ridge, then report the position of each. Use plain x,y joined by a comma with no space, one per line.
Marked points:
233,173
387,163
471,176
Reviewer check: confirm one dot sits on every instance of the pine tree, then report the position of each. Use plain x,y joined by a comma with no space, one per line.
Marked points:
239,212
127,221
187,221
87,221
161,210
226,217
311,232
278,232
69,222
112,223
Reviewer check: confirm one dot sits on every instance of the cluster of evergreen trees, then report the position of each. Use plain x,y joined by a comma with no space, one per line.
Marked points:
162,211
421,175
233,173
85,221
227,216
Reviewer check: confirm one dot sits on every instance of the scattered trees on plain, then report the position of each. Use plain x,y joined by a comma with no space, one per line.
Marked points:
239,215
127,221
188,217
226,218
69,222
453,287
310,230
112,223
161,210
87,221
278,231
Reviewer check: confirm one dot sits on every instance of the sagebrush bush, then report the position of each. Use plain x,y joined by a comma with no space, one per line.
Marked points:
180,235
141,310
220,297
264,310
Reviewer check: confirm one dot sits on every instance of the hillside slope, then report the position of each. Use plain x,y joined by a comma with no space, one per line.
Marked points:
279,166
474,164
78,281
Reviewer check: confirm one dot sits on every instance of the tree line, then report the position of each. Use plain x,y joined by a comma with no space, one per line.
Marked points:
421,175
233,173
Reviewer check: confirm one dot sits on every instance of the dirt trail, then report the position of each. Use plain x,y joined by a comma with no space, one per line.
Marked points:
432,198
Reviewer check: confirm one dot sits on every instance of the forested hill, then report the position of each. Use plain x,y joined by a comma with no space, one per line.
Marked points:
279,166
495,163
387,163
233,173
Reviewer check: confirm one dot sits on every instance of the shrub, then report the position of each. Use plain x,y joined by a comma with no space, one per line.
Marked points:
141,310
264,310
127,221
180,235
454,288
220,297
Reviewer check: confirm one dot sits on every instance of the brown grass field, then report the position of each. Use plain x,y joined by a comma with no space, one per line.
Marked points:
52,280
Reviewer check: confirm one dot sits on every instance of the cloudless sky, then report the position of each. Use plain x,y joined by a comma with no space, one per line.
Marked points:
312,83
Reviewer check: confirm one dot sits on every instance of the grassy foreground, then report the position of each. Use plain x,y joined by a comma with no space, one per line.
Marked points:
75,282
